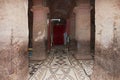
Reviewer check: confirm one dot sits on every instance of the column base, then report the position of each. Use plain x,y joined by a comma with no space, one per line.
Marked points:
83,51
39,51
42,55
73,45
83,55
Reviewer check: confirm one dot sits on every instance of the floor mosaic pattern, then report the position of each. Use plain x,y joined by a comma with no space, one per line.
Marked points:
61,65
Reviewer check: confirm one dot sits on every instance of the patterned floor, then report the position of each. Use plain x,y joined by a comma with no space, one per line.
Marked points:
61,65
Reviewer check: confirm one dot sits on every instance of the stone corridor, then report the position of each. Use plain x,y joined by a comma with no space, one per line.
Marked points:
61,65
92,27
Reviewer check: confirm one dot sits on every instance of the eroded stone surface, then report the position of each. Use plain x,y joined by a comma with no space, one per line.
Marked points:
14,40
107,56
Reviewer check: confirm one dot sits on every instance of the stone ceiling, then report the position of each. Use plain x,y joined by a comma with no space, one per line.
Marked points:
60,8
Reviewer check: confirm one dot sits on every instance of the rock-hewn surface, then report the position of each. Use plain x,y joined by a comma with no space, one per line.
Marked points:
39,32
107,57
82,33
13,40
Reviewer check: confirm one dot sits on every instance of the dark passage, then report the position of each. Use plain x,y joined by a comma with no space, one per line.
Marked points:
58,34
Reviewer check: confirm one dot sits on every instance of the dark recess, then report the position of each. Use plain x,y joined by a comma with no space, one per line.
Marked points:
30,23
93,26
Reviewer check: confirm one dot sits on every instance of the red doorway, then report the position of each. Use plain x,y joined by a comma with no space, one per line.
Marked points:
58,34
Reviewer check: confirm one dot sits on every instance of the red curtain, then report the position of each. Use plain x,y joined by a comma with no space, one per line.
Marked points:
58,34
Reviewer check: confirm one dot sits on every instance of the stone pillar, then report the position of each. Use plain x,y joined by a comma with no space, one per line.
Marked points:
13,40
107,54
82,34
72,45
49,36
68,26
72,26
39,32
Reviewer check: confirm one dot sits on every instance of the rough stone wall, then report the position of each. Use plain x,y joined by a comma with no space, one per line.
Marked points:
107,54
13,40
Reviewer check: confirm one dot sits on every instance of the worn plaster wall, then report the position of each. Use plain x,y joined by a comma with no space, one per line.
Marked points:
82,30
107,54
39,9
39,32
13,40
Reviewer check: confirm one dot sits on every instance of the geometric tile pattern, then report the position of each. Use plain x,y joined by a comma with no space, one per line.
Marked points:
61,65
34,66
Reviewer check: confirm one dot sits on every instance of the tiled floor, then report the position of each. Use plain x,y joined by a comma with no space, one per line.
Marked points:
61,65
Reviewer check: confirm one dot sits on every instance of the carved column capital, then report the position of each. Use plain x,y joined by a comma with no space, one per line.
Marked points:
84,7
40,8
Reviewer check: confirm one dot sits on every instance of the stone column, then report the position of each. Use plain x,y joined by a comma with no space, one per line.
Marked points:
107,54
73,45
13,40
72,26
39,32
68,26
49,36
82,34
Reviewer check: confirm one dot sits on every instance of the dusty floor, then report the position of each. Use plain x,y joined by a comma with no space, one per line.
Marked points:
61,65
